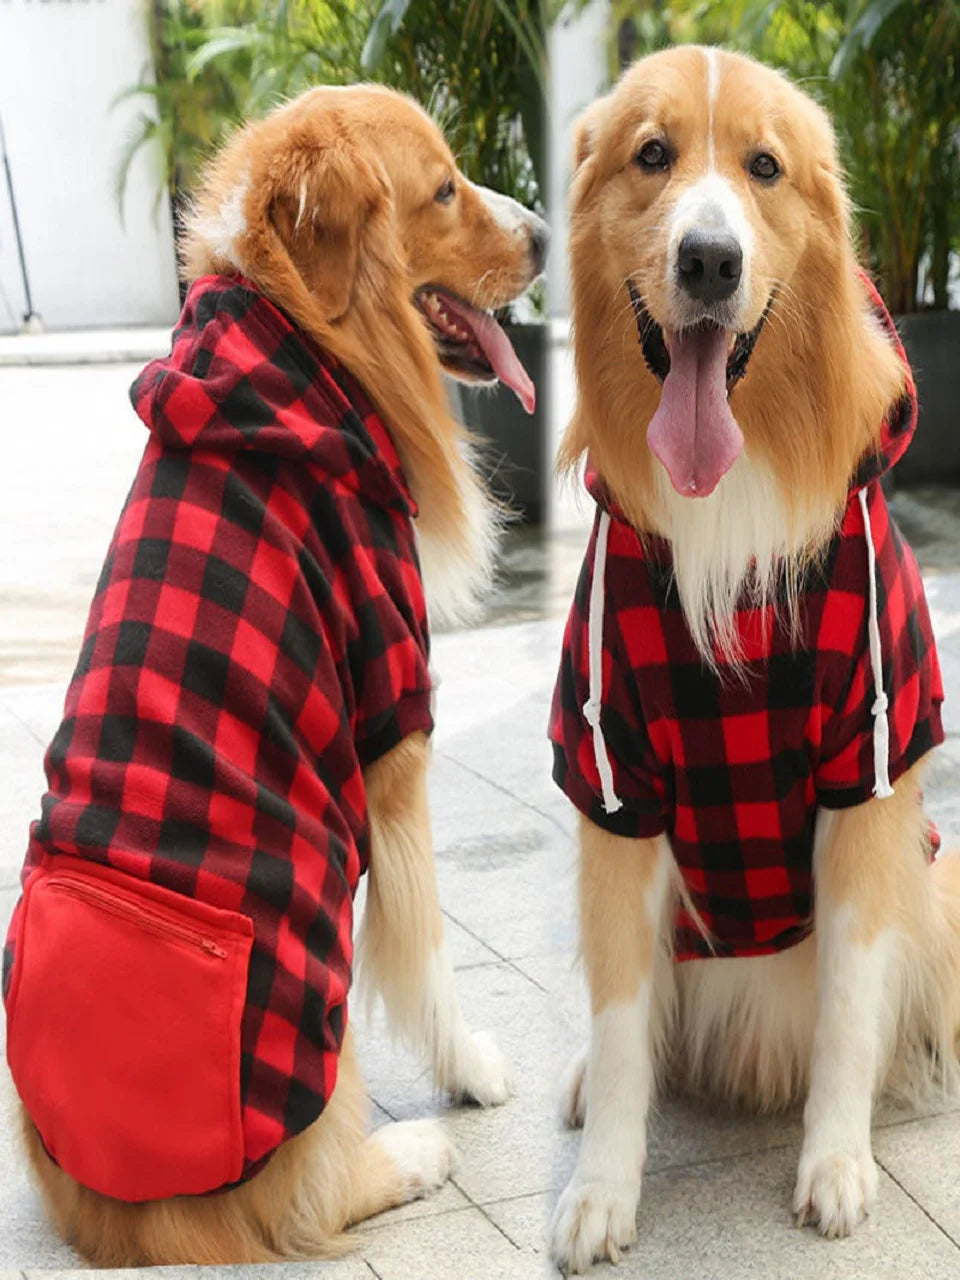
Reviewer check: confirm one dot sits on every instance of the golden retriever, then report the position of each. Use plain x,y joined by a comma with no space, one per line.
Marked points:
340,262
749,683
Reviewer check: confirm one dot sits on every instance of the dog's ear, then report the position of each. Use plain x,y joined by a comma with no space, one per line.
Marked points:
586,133
814,148
323,199
583,140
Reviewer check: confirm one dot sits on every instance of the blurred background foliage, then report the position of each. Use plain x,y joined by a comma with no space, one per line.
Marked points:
478,65
888,71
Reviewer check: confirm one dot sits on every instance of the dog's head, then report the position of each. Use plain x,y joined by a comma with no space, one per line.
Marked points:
346,206
710,223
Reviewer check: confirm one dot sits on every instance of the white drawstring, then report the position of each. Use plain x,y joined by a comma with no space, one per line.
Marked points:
881,726
592,707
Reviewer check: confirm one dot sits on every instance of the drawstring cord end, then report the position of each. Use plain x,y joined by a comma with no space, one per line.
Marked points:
593,705
881,723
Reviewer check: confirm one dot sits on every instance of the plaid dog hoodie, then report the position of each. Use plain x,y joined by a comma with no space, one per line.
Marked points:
176,972
733,764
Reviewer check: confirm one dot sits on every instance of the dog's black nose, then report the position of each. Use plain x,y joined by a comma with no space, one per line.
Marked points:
539,243
709,265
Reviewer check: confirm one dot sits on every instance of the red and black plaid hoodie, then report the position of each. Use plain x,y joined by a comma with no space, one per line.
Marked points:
734,764
176,972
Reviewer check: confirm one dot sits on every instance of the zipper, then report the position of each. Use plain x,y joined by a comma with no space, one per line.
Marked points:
151,920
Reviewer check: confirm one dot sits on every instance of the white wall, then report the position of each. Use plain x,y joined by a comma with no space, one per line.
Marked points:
61,64
578,73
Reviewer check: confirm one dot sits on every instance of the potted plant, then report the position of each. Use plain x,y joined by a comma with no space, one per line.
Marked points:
180,116
216,62
481,65
898,68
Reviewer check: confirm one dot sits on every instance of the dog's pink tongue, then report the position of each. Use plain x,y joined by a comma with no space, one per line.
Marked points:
498,349
693,432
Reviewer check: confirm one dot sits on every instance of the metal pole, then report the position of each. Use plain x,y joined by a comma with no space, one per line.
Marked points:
30,318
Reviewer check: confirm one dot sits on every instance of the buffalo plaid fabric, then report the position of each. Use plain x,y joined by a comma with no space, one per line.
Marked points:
258,636
733,764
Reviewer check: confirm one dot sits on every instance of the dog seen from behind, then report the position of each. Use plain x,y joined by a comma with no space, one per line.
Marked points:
247,729
749,684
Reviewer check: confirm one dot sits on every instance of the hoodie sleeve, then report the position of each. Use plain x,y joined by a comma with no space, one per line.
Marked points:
387,641
637,780
848,768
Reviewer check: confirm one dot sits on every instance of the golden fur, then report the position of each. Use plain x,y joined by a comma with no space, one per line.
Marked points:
806,410
328,207
885,954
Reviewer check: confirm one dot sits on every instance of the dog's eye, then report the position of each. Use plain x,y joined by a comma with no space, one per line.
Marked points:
653,156
764,167
446,192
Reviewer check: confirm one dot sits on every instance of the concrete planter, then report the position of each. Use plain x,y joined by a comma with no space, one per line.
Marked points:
513,443
932,342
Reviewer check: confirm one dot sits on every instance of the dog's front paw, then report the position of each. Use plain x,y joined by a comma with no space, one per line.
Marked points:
573,1092
423,1152
835,1189
595,1219
484,1075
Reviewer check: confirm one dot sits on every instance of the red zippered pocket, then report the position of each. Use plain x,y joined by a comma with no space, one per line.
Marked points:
124,1030
130,909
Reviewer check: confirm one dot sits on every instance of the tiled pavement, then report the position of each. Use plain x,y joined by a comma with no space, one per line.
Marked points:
717,1192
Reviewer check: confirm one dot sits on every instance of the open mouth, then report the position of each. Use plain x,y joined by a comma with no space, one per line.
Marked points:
471,344
657,357
693,431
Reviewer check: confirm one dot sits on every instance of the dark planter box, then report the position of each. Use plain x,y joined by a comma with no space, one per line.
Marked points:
513,447
932,343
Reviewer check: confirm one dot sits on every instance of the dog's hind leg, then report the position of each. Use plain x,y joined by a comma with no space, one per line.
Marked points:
870,881
624,899
401,945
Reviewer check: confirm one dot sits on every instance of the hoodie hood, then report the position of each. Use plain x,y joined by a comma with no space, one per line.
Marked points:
900,422
241,377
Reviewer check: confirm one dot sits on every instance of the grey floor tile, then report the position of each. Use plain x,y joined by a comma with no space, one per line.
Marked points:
941,790
923,1156
560,974
506,1150
465,948
731,1220
20,792
26,1238
462,1246
8,900
682,1130
486,672
943,614
39,707
504,872
523,1219
448,1199
524,769
493,716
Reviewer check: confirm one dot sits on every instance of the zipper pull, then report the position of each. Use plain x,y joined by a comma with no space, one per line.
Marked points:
208,944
